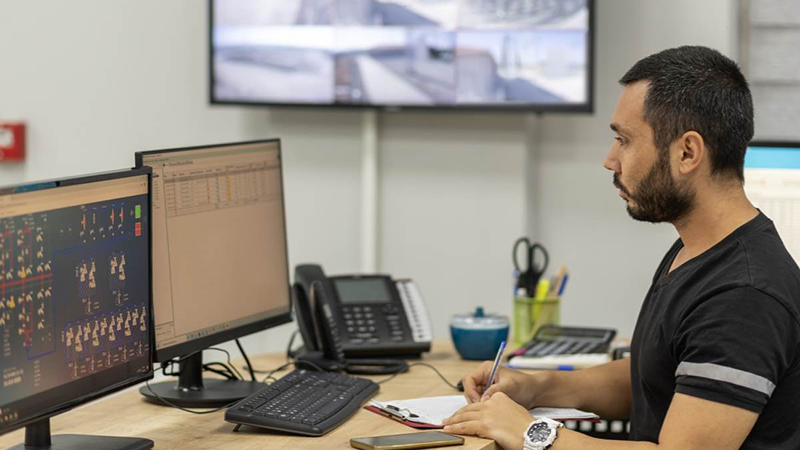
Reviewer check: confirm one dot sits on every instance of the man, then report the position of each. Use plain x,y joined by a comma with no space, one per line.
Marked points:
715,357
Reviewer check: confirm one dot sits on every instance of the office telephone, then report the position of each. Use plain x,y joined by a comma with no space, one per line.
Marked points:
345,319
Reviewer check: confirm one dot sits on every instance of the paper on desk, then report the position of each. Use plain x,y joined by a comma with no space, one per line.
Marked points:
433,410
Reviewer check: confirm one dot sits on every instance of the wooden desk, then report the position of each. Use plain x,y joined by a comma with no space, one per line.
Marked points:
127,414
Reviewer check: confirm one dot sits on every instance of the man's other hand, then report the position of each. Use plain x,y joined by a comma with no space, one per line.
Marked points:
498,418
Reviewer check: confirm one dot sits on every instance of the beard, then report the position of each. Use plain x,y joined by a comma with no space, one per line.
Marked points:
659,198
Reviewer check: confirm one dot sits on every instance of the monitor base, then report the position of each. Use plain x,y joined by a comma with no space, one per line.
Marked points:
214,394
38,437
88,442
193,391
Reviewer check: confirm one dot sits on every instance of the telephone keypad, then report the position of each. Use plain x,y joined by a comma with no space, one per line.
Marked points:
362,324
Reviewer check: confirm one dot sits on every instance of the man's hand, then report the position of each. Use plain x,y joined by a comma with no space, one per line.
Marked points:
499,418
515,384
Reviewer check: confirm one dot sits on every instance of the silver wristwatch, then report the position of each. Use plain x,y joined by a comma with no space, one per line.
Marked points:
541,434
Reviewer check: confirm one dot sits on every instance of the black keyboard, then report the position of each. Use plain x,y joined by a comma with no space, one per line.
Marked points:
304,402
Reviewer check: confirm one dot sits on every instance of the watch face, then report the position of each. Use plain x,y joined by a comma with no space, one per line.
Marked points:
539,432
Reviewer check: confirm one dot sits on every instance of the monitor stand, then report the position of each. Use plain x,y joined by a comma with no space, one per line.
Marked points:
193,391
37,436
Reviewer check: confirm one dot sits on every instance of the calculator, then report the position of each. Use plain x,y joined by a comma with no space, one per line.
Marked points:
556,340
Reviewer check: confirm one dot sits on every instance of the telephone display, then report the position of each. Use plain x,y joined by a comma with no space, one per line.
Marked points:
362,290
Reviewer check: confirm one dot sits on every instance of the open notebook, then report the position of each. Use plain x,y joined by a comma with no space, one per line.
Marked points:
429,412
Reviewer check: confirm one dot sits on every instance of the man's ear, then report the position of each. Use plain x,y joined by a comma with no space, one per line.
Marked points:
690,151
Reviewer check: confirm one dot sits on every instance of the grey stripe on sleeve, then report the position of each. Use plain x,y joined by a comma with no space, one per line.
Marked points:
726,374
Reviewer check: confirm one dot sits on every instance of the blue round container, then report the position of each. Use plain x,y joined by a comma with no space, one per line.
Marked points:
478,335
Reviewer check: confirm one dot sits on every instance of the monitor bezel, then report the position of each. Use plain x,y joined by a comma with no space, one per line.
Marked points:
586,107
774,144
132,381
185,348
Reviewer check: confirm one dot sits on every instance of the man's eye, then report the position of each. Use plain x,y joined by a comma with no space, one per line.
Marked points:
620,140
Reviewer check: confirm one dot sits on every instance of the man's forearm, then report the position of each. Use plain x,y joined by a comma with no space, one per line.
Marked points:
604,390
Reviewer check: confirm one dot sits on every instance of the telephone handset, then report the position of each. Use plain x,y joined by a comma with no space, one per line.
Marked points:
318,326
330,340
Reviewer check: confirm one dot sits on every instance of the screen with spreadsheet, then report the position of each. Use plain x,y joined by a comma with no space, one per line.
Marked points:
219,244
772,183
74,293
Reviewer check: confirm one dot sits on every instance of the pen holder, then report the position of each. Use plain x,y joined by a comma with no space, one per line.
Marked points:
530,314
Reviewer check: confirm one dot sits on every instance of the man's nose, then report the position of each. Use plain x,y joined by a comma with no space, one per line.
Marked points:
611,162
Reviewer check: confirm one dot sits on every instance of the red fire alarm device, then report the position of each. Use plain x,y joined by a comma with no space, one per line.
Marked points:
12,141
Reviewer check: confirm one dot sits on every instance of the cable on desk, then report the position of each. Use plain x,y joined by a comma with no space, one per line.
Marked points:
289,353
290,363
192,411
300,362
229,370
247,360
270,372
421,364
228,354
308,363
168,364
225,371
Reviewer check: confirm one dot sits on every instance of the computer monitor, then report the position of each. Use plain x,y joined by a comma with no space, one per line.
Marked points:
74,301
220,268
772,183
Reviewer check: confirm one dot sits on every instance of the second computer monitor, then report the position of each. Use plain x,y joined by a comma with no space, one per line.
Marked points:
220,266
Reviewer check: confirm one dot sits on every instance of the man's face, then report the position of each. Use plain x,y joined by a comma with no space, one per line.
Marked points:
642,172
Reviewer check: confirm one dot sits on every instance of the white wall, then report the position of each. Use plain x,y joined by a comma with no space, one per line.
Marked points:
97,81
453,203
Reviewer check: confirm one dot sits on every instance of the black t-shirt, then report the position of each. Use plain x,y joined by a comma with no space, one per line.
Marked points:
725,327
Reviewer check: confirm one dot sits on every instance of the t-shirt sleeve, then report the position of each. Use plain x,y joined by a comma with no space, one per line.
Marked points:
734,347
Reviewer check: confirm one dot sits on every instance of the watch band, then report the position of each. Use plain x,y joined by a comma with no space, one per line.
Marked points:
541,434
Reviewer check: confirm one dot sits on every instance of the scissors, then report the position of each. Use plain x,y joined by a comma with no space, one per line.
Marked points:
530,273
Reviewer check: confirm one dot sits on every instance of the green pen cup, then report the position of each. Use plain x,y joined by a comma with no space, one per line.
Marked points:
530,314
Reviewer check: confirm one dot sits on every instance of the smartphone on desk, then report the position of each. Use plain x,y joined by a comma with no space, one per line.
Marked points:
405,441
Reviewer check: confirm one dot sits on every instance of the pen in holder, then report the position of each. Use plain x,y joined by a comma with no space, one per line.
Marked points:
530,314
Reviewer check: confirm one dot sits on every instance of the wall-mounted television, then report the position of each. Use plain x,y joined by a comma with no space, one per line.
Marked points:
478,54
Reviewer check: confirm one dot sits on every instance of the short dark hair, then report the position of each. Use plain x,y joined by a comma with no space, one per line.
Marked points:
693,88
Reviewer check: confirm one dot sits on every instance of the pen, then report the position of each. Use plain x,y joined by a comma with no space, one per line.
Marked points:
557,289
496,364
563,284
